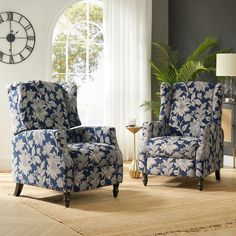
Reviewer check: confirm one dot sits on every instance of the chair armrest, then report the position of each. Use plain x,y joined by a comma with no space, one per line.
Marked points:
99,134
41,158
210,151
150,130
155,129
210,134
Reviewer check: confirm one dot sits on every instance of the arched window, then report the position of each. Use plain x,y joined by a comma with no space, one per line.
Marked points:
78,56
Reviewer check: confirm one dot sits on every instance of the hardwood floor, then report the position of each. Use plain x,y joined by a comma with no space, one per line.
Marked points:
19,219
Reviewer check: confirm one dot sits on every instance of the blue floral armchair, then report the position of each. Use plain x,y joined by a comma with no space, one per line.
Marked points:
51,149
187,140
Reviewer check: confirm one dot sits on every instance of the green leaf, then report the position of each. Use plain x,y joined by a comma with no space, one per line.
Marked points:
154,106
166,76
169,70
165,56
207,44
190,70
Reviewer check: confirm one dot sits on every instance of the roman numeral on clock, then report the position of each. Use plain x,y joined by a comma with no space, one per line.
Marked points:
1,19
21,57
20,19
28,27
30,49
11,59
31,37
9,15
1,55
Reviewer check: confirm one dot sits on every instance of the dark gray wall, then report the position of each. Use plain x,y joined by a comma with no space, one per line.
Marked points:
186,23
191,21
160,30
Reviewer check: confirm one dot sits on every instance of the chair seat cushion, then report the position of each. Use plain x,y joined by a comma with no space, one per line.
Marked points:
92,154
173,146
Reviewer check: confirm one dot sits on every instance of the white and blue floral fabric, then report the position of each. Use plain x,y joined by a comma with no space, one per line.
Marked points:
187,140
51,149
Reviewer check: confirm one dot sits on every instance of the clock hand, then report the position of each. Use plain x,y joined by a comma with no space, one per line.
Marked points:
10,41
10,48
10,27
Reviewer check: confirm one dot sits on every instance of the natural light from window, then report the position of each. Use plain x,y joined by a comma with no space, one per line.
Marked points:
78,56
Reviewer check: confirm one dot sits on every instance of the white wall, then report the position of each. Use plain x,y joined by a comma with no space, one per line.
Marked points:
43,15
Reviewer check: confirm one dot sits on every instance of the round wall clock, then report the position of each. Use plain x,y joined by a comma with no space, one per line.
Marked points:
17,37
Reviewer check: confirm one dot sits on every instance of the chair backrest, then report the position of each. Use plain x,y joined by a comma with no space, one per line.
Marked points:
43,105
70,92
189,107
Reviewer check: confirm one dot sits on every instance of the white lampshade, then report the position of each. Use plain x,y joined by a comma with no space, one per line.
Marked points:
226,64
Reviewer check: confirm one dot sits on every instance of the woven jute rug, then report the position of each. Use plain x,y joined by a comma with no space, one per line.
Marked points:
167,206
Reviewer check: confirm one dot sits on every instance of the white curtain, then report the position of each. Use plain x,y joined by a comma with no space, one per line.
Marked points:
127,52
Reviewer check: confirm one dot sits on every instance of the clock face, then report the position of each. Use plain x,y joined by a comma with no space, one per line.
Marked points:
17,37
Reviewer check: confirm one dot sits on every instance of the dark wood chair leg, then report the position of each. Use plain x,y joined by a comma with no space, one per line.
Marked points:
145,179
200,183
217,174
18,189
115,190
66,199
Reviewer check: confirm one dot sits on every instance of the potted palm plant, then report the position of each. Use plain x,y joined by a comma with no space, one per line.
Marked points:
168,67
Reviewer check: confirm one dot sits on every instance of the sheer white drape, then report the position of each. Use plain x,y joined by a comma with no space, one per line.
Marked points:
127,51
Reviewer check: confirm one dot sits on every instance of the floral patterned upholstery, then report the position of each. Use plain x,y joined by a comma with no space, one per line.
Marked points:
173,146
70,94
50,150
92,154
188,138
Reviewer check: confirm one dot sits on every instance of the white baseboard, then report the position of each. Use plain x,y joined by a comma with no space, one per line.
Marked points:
5,164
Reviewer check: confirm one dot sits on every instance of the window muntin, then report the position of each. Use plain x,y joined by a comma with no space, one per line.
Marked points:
78,56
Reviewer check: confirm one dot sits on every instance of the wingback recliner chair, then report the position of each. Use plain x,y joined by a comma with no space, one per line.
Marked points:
50,150
187,140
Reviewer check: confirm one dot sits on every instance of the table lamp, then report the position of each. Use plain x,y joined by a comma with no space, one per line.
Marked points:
226,66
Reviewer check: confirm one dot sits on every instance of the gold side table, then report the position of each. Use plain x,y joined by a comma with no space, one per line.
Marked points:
134,167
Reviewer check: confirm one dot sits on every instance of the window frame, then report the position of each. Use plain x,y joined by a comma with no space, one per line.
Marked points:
88,44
